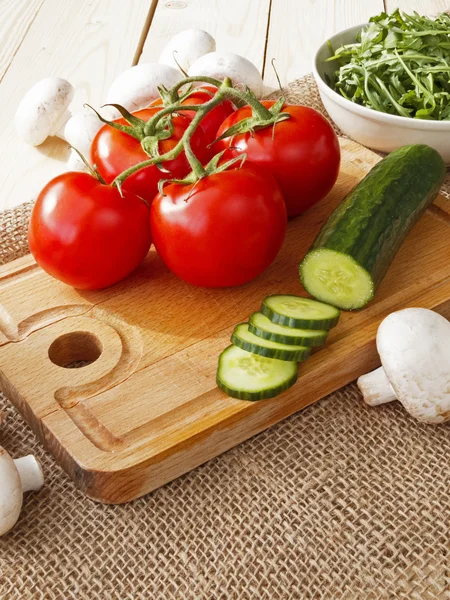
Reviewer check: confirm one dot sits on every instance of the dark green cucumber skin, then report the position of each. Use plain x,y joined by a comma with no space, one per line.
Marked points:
289,355
297,323
255,396
286,339
372,222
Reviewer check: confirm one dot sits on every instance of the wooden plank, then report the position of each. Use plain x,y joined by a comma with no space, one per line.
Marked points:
237,25
87,42
148,408
298,28
423,7
16,18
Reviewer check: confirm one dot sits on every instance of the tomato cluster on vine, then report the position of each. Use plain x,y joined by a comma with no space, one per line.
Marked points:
210,184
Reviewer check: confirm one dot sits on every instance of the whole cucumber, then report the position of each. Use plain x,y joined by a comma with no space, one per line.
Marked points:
360,239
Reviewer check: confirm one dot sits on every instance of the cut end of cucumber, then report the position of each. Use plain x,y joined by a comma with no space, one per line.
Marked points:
336,278
248,376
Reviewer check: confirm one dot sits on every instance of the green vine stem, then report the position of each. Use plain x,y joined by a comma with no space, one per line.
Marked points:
202,110
150,126
198,169
92,170
173,92
262,117
226,91
241,98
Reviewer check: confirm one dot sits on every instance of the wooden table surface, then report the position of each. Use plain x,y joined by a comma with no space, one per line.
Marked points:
89,42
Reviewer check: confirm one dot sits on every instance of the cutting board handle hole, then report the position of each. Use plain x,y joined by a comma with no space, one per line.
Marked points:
75,349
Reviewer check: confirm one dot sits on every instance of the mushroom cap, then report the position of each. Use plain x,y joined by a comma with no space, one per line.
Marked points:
228,64
41,110
136,87
81,129
414,348
11,496
187,46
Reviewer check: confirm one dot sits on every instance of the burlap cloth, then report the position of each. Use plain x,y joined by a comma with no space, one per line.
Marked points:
339,502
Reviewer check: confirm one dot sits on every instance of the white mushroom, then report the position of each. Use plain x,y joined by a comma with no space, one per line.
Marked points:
186,47
81,129
43,111
414,348
227,64
138,86
16,477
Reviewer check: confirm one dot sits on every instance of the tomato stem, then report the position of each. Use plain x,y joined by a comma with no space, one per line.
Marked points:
173,92
92,169
134,129
262,117
259,109
184,143
196,166
225,87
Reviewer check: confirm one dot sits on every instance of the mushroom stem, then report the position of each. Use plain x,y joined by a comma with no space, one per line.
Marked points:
376,388
30,473
58,128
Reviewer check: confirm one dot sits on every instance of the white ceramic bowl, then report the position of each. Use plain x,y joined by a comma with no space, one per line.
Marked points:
369,127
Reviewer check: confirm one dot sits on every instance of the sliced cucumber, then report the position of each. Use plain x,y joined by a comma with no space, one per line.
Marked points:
248,376
264,328
298,312
248,341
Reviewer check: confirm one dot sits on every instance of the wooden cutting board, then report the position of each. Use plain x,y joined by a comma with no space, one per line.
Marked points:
146,409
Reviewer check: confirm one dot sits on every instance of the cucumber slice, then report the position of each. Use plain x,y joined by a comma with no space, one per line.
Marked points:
298,312
248,376
336,278
264,328
248,341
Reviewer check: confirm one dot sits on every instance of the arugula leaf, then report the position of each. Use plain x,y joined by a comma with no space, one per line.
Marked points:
400,64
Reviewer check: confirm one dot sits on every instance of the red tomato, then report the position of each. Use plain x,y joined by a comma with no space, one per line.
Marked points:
302,153
114,151
212,120
85,234
222,231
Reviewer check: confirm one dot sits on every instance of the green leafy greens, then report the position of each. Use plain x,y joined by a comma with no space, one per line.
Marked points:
400,64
